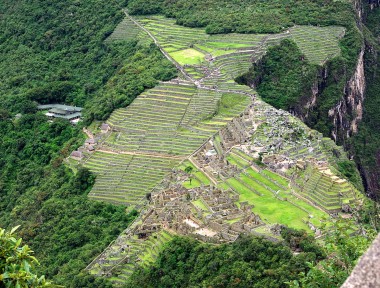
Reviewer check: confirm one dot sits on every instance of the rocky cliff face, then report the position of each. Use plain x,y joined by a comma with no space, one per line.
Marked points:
374,4
348,112
371,173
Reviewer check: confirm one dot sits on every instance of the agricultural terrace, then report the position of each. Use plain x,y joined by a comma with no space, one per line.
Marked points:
216,60
159,129
127,253
278,202
125,179
164,125
128,31
317,43
270,195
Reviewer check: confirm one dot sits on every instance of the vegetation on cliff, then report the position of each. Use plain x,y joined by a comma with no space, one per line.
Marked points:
248,262
257,262
366,143
282,76
247,16
54,52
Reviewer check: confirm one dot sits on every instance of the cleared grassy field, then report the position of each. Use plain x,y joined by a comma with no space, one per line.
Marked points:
188,56
226,45
194,183
270,209
199,203
276,177
198,177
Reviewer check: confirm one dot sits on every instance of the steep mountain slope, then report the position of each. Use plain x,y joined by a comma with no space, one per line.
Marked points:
366,143
80,52
54,51
337,98
264,168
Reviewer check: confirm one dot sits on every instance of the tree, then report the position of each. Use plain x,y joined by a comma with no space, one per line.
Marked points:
189,170
344,244
83,180
16,263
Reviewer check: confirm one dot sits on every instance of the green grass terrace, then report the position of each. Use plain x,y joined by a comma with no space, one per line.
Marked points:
159,129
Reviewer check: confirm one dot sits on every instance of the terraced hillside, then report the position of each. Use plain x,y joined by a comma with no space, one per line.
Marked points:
128,252
151,136
172,120
230,191
317,43
125,178
128,31
244,169
221,58
327,190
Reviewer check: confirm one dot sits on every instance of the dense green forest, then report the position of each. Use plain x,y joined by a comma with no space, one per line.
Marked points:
366,144
247,16
65,59
255,262
248,262
54,52
283,76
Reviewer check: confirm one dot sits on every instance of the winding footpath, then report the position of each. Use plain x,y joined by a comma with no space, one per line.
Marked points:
181,69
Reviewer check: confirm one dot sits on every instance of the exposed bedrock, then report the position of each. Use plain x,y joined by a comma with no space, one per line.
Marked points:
346,114
374,4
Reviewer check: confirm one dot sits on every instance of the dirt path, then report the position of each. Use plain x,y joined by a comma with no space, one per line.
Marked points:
179,67
88,133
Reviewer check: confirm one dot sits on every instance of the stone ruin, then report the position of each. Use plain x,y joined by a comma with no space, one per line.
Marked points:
173,209
236,131
208,213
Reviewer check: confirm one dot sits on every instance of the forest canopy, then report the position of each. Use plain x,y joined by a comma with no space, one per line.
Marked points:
54,52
